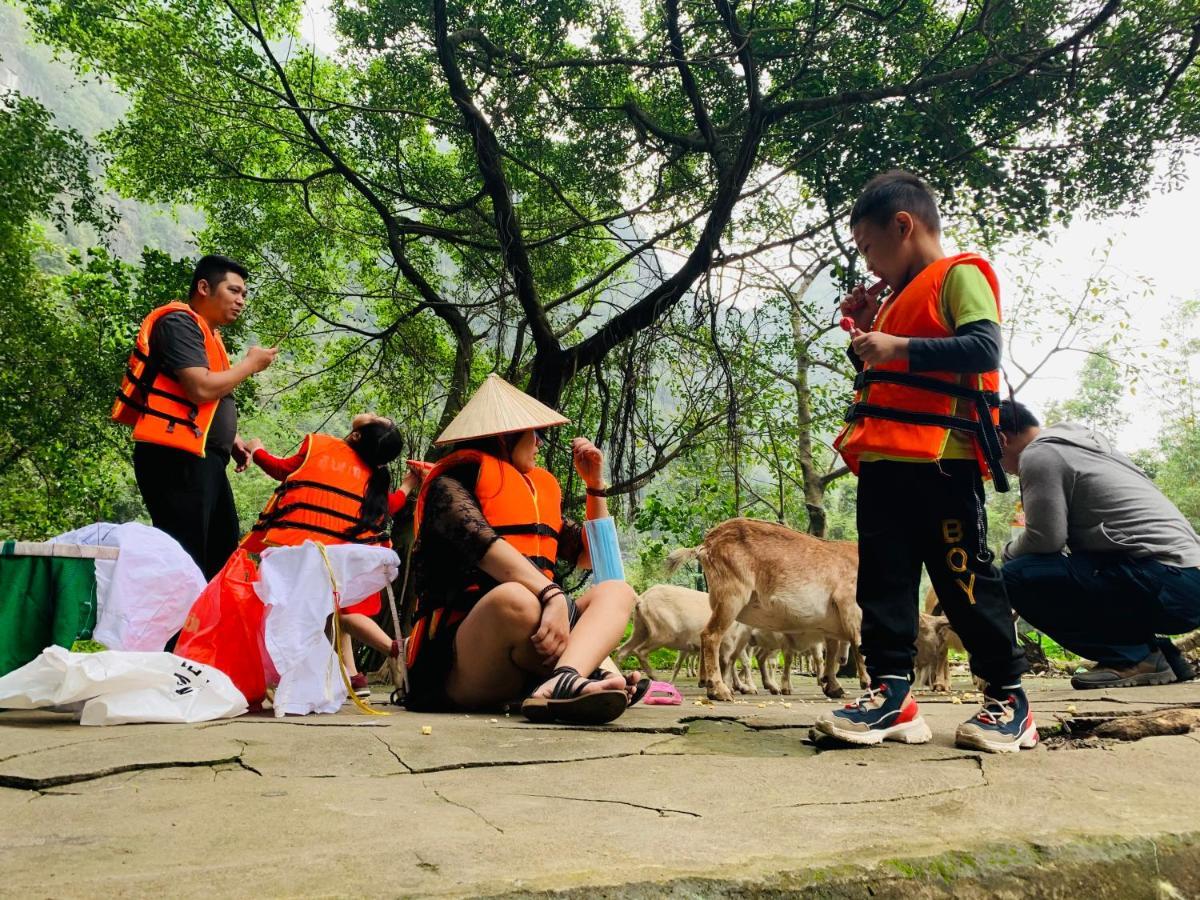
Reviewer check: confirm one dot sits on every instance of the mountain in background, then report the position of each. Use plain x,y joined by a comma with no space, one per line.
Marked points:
90,107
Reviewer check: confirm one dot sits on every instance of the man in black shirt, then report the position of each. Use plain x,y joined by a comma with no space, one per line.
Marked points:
186,489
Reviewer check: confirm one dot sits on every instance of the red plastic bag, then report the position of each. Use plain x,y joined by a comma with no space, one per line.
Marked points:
224,627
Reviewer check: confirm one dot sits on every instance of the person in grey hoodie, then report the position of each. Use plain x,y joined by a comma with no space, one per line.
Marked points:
1106,563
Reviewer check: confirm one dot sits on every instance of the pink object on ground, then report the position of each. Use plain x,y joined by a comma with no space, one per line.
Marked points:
662,693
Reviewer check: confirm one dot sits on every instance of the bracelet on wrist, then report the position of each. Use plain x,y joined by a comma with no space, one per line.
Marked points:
546,594
601,491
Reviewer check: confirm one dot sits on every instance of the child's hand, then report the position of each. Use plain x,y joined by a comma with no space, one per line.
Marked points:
417,470
875,347
861,304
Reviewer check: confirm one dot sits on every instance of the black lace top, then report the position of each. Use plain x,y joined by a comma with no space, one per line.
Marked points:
455,537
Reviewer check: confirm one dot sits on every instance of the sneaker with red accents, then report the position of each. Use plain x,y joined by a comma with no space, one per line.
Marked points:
1004,724
358,683
886,712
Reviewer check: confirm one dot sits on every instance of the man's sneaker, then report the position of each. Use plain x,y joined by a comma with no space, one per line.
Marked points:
1002,725
886,712
358,683
1180,664
1154,669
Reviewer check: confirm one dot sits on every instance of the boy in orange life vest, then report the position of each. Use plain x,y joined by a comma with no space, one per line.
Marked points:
338,491
921,436
177,397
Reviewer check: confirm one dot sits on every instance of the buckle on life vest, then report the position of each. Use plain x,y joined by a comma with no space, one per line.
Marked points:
981,428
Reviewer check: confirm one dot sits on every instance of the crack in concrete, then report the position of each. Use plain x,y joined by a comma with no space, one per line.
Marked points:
423,863
469,809
263,720
37,784
604,729
498,763
661,810
40,785
775,727
919,796
4,759
745,722
395,755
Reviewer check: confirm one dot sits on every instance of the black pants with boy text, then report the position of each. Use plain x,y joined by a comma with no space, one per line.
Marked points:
911,514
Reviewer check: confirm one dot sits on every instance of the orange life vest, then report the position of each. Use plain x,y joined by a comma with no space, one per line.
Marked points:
154,403
321,501
898,414
525,510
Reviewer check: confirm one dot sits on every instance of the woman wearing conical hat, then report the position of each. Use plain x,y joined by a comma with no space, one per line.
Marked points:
492,625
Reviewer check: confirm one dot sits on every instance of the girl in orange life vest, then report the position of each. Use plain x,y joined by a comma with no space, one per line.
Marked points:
921,436
492,624
337,491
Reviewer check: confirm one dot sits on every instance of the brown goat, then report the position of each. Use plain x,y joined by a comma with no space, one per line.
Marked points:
767,576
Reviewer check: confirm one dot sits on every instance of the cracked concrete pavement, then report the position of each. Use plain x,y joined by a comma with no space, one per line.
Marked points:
691,800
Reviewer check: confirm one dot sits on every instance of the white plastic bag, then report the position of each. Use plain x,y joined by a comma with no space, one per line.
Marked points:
117,687
294,584
143,596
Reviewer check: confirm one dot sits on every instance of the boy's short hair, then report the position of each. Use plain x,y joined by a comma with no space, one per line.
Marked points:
893,192
213,269
1016,417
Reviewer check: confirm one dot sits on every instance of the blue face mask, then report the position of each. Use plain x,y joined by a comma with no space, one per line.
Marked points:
604,549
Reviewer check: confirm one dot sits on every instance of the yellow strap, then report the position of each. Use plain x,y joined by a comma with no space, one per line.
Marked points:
337,639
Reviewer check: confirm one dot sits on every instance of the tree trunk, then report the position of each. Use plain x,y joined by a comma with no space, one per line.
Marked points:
460,380
810,476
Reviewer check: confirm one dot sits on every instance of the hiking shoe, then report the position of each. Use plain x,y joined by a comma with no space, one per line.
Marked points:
886,712
358,683
1180,664
1154,669
1002,725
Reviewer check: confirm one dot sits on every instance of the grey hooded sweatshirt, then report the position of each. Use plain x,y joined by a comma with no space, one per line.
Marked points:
1081,494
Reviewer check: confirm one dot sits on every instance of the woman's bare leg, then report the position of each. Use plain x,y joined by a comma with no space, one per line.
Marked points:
363,629
347,648
493,651
604,611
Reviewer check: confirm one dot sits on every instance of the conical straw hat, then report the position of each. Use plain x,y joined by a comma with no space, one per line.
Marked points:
498,408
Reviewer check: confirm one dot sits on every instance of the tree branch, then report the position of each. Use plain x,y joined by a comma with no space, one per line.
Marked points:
491,169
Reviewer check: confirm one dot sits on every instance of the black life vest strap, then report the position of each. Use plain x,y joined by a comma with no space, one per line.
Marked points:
925,383
172,421
277,517
349,535
315,485
536,528
981,428
542,563
147,387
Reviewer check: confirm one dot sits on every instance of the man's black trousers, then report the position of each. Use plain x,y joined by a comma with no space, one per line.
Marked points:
1108,607
911,514
190,499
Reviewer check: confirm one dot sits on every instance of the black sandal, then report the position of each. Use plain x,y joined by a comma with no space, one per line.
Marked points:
640,690
566,703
